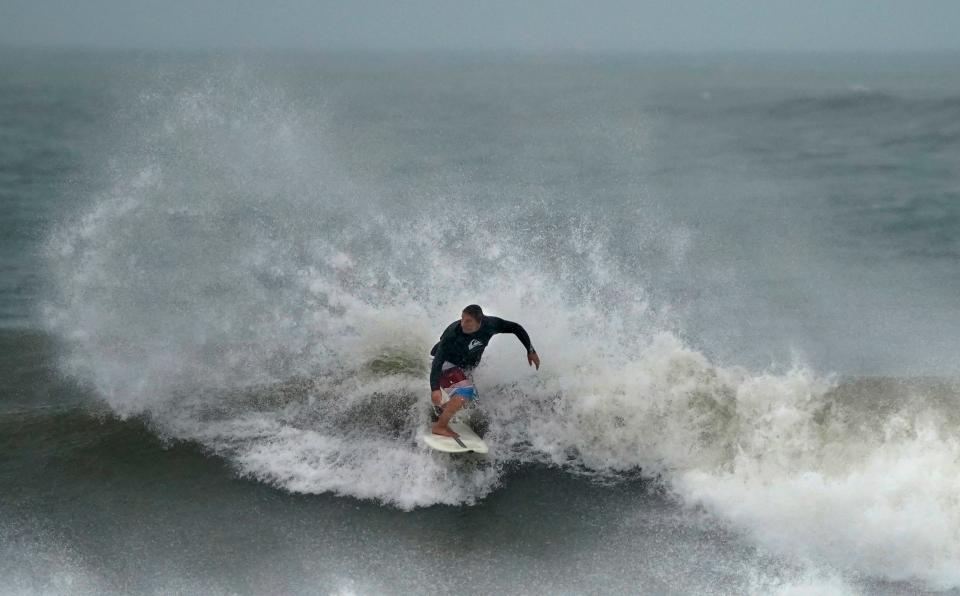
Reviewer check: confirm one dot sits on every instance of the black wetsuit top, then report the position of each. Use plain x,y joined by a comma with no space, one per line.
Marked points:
465,349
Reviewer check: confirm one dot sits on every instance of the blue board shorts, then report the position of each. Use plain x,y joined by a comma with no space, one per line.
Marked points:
456,382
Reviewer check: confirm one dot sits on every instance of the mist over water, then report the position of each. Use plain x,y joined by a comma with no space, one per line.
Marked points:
268,261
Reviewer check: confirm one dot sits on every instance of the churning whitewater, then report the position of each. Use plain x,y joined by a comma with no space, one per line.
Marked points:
236,288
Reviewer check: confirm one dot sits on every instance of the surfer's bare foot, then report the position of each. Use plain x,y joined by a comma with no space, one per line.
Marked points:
444,431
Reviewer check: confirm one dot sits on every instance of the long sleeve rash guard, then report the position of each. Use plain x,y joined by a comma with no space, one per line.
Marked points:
465,349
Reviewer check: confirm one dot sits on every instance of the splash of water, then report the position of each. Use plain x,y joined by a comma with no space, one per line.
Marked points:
234,287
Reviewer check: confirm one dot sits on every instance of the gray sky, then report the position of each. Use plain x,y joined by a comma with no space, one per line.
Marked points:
679,25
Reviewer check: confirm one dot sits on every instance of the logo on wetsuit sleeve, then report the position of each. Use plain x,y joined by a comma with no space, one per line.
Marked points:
474,343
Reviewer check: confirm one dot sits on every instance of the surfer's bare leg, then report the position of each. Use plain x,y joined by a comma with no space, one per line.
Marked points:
441,428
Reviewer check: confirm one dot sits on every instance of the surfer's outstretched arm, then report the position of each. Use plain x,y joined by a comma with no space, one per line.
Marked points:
504,326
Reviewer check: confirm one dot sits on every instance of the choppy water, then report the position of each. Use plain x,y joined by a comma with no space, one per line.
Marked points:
222,276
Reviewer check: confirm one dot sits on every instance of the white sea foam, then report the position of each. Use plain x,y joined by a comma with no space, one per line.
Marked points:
810,583
234,288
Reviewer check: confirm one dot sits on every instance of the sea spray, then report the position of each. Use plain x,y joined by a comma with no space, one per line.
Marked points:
236,288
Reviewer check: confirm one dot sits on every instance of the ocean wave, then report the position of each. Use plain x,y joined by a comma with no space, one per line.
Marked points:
234,290
863,103
853,100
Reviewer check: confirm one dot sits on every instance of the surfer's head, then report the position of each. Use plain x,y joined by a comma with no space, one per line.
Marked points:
470,318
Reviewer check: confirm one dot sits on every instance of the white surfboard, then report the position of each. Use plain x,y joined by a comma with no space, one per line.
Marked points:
468,441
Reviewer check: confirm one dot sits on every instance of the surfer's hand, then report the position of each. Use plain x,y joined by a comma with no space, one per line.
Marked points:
533,359
435,397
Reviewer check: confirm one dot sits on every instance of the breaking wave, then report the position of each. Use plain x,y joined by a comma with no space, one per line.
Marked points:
236,288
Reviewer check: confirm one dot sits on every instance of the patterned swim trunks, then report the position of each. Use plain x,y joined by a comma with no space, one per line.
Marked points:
454,381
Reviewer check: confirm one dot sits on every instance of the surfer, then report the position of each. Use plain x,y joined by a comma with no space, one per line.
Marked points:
458,352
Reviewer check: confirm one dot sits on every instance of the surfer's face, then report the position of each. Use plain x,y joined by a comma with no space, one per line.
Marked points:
468,323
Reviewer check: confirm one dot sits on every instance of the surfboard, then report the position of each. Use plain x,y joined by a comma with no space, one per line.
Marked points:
468,441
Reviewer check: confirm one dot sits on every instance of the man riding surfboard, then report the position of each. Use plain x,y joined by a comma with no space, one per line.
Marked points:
456,355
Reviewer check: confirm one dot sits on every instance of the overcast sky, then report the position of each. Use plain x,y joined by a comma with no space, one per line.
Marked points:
678,25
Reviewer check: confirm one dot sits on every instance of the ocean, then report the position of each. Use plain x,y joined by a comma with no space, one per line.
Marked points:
222,275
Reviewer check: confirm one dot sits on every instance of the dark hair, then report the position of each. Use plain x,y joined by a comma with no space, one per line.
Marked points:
475,312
